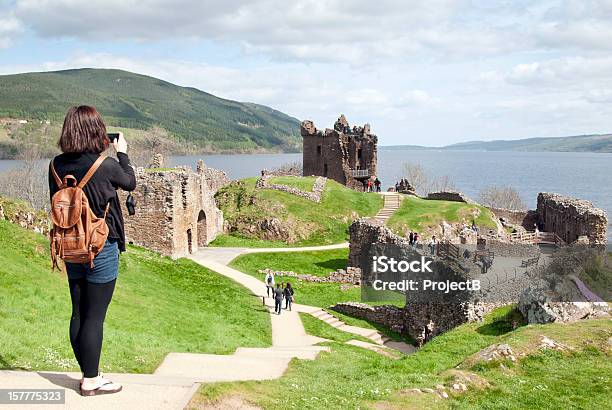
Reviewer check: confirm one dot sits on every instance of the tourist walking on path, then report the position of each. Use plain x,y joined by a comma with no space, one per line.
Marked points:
278,299
432,245
288,292
411,238
269,283
415,240
377,184
369,185
83,138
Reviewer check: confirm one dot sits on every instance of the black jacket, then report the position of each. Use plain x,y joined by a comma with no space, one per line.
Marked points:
101,188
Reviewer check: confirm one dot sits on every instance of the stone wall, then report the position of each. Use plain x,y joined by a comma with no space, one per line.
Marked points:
526,219
571,218
389,316
314,195
350,275
425,316
366,231
449,196
512,249
176,212
336,152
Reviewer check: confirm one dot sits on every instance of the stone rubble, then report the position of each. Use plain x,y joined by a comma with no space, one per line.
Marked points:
315,195
350,276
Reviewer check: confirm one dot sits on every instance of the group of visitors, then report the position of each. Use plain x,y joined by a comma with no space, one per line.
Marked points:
282,291
371,185
413,239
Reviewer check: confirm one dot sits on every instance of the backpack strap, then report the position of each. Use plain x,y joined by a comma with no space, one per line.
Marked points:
58,180
91,171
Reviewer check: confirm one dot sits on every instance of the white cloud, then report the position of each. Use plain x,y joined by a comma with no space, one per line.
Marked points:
9,27
432,72
308,30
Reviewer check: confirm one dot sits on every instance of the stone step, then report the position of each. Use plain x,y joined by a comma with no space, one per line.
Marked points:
400,346
319,313
330,320
304,353
324,317
335,323
222,368
376,337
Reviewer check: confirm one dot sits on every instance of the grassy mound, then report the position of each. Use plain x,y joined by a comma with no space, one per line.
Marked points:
302,183
281,219
351,377
422,215
160,306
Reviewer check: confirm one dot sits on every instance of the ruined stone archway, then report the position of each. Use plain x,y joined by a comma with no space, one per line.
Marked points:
202,237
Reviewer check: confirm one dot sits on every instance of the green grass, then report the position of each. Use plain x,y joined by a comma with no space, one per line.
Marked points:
132,100
318,263
301,183
305,222
350,377
418,214
159,306
319,328
232,241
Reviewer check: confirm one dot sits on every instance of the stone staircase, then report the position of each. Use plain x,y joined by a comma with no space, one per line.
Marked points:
333,321
391,204
376,337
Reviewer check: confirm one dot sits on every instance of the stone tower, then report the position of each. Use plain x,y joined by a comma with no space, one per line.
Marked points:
176,212
344,154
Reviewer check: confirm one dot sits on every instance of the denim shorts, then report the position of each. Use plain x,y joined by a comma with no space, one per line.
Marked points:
106,265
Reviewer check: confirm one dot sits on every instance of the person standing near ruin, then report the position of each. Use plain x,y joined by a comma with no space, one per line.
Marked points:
82,140
370,185
278,299
415,240
377,184
432,245
269,283
411,238
288,292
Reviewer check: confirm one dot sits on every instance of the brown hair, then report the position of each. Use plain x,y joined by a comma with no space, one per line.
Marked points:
83,131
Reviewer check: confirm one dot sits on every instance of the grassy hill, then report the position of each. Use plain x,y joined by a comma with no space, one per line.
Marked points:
577,143
265,217
160,306
424,216
352,377
137,101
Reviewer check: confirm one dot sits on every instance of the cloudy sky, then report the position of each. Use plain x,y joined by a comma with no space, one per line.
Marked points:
428,72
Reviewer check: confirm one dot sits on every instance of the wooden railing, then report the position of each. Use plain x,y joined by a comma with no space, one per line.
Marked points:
447,249
537,237
524,236
360,173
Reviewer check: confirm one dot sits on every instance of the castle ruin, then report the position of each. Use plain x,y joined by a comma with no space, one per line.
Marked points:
176,212
571,218
344,154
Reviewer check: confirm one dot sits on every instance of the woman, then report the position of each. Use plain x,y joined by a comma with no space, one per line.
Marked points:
288,293
82,140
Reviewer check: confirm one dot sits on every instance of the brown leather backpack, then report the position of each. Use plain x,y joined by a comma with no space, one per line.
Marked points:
78,235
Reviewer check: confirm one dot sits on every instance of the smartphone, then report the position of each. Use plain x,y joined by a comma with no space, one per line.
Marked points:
113,136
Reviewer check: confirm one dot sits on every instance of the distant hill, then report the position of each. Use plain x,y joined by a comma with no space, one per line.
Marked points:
578,143
137,101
